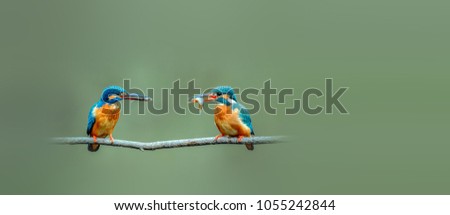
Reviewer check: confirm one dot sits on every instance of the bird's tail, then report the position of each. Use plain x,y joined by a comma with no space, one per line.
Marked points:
93,147
250,146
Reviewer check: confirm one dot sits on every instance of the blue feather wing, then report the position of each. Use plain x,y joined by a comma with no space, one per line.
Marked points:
244,115
91,120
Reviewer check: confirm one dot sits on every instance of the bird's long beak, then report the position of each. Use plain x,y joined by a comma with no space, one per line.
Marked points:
137,97
207,97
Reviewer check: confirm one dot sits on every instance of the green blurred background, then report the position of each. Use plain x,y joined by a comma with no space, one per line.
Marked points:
57,56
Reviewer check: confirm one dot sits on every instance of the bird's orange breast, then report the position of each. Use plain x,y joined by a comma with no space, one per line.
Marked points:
229,123
106,118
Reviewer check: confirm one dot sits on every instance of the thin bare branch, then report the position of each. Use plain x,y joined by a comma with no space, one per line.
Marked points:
168,143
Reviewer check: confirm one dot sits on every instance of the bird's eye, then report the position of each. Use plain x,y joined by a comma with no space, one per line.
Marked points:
219,94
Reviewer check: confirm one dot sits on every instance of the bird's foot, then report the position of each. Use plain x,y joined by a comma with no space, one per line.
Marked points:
111,139
95,139
217,137
240,138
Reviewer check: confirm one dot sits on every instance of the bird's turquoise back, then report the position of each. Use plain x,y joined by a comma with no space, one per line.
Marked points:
244,115
91,117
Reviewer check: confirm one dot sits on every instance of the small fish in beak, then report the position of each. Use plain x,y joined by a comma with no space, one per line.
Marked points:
199,99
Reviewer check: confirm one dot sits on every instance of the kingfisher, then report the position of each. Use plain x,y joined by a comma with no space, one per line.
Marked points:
104,114
230,117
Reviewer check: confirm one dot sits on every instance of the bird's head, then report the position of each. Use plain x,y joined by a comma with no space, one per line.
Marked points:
221,94
113,94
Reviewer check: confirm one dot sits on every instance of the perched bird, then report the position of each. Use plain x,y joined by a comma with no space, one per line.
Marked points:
104,114
230,117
